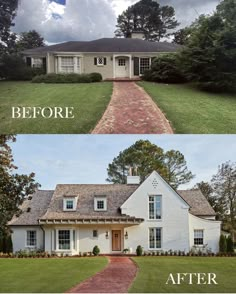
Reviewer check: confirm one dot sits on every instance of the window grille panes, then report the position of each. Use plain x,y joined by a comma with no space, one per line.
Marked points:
69,204
37,62
155,238
198,237
100,204
100,61
155,207
67,64
122,62
31,238
95,233
64,239
144,65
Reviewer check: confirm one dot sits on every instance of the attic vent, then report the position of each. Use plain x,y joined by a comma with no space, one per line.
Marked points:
154,183
28,209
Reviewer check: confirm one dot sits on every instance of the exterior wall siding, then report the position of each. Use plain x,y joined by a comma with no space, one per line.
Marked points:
19,237
174,222
211,229
106,70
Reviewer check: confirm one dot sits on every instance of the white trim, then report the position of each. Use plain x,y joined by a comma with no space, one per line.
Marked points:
96,199
155,238
154,219
115,56
26,239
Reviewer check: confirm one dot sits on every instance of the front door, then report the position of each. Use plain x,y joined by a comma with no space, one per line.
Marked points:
116,240
122,67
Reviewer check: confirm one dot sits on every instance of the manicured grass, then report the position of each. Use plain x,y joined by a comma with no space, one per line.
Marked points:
89,102
46,275
154,272
192,111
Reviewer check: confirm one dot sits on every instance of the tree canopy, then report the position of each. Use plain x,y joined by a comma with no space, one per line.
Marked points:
146,157
7,13
148,17
29,40
209,57
13,187
221,194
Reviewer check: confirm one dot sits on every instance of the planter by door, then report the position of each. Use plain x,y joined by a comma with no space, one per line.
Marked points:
116,240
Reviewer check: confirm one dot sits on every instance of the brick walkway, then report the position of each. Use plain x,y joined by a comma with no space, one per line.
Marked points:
117,277
132,111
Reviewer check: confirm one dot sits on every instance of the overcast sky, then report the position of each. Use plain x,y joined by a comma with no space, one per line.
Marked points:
64,20
83,159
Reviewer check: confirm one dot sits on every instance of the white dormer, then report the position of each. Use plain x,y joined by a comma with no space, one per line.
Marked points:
70,203
100,203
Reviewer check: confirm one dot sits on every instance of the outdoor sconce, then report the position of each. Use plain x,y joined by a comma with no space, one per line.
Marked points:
126,235
111,58
107,235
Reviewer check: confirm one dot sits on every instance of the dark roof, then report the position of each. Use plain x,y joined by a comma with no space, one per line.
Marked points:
199,205
33,208
109,45
48,205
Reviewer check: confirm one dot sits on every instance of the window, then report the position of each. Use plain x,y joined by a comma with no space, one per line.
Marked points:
64,239
100,203
37,62
144,65
69,204
67,64
198,237
155,238
100,61
95,233
122,62
155,207
78,64
31,239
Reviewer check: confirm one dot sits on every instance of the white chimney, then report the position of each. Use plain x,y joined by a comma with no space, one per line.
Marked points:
133,180
138,35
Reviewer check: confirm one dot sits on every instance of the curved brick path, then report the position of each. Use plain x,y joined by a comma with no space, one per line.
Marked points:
117,277
132,111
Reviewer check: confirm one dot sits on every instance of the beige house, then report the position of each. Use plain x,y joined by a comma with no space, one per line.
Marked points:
112,57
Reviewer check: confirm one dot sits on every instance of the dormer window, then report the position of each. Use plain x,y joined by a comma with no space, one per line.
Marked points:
100,203
70,203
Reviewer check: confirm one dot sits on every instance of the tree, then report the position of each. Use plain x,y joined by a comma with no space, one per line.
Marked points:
222,244
7,13
30,40
224,187
209,56
165,69
148,17
181,36
13,187
230,244
145,157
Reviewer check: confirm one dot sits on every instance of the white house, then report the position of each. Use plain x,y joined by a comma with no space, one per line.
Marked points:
75,218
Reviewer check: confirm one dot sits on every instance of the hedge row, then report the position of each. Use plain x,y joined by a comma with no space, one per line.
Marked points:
68,78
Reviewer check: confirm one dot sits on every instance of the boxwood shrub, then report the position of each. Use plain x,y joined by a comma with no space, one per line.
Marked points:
68,78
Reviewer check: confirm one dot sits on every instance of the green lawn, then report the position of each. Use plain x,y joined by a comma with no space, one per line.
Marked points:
192,111
89,102
154,271
46,275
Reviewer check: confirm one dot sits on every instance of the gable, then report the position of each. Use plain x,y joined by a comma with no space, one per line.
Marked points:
137,203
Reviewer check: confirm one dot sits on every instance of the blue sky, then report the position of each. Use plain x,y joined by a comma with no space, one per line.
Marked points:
83,159
82,20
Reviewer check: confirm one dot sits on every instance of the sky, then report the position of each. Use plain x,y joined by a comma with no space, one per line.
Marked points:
82,20
83,159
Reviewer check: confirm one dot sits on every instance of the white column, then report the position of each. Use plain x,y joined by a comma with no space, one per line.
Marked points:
130,66
59,64
48,63
75,64
114,66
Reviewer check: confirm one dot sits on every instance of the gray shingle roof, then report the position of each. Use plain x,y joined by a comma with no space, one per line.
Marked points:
48,205
116,195
199,205
108,45
38,206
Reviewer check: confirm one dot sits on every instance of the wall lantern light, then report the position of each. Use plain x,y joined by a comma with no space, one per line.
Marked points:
126,235
107,235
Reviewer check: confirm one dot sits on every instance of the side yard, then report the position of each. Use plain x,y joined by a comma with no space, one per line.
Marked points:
46,275
192,111
154,272
89,102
